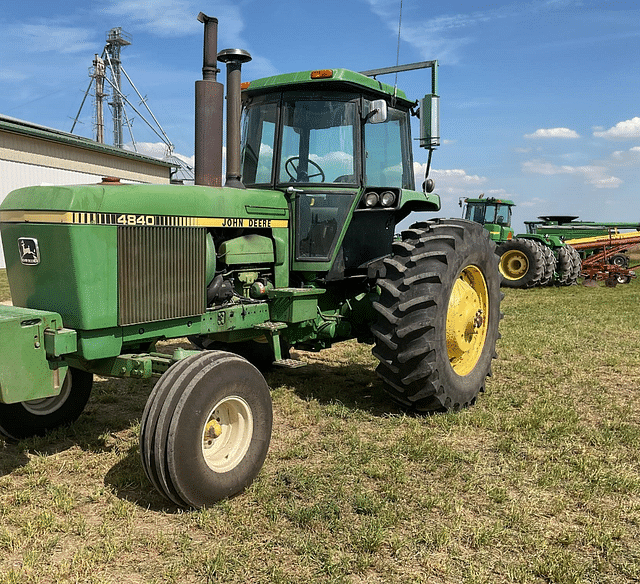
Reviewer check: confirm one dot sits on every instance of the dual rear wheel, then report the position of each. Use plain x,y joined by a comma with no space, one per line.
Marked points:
525,263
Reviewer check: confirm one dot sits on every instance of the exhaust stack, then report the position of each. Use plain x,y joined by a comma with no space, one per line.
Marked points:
208,115
234,58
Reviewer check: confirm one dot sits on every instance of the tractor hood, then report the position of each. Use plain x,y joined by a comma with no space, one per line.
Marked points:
117,199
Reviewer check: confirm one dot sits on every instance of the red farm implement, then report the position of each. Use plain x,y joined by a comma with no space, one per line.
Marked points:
606,257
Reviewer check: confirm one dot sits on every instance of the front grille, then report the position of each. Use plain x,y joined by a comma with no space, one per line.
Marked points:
161,273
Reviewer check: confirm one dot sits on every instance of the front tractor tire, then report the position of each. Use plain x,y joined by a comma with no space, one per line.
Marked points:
522,263
438,315
206,428
39,416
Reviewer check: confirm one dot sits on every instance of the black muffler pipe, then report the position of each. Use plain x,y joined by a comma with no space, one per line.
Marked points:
209,107
234,58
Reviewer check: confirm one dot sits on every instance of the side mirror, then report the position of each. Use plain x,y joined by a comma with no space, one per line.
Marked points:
429,185
430,121
377,111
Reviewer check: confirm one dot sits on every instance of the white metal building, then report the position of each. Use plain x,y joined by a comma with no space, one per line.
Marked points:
35,155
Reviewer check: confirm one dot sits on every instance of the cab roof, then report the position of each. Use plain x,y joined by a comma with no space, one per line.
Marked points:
332,79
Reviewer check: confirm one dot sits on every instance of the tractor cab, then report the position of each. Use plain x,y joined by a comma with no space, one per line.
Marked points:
494,214
338,144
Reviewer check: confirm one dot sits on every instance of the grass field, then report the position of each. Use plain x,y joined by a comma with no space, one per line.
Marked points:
4,286
539,482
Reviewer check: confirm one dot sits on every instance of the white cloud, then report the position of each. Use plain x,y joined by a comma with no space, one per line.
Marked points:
165,18
535,202
160,150
12,76
457,176
622,130
174,18
443,36
553,133
55,38
451,183
594,175
153,149
498,194
629,157
439,36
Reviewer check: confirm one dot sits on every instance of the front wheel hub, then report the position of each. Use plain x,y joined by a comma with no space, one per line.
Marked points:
227,434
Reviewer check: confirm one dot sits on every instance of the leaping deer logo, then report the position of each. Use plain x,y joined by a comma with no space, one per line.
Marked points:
29,252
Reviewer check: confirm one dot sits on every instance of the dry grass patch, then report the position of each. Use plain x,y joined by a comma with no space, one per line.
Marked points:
537,483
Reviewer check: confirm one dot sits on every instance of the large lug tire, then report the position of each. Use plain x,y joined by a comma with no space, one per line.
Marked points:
521,263
549,264
438,315
568,266
577,265
37,417
206,428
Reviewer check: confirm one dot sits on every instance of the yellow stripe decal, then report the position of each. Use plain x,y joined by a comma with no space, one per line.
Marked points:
132,220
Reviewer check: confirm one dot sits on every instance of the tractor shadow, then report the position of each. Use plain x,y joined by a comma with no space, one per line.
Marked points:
13,456
110,423
114,407
352,385
324,379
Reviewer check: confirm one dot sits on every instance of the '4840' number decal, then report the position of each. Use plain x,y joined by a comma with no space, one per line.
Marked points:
136,220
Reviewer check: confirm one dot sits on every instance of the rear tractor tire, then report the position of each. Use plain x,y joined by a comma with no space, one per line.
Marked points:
549,264
206,428
37,417
569,265
577,265
438,315
522,263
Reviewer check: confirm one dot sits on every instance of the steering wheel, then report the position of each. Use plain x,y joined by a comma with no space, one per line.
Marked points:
291,168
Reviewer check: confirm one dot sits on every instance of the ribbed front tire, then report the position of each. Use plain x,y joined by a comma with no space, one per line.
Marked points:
206,428
438,315
39,416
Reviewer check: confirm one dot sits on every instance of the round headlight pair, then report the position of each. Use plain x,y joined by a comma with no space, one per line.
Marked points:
386,199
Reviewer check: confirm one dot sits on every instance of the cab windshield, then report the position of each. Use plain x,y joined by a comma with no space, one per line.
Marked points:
318,142
292,140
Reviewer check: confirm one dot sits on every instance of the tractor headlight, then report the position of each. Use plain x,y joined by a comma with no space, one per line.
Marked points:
371,199
388,198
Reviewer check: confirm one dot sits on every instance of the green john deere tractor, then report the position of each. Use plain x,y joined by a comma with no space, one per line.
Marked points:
298,249
535,258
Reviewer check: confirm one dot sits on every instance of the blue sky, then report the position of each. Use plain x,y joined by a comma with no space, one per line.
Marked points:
539,99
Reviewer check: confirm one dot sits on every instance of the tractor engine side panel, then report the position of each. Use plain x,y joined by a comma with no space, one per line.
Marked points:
68,269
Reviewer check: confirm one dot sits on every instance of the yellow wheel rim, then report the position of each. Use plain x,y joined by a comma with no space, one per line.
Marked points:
513,264
467,320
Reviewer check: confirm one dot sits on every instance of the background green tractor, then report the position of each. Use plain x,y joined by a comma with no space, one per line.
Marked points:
569,228
298,249
527,259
